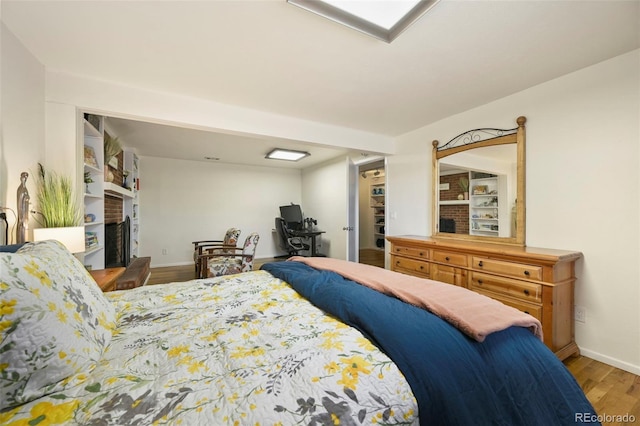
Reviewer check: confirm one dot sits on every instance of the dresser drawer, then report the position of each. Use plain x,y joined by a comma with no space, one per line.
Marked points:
454,259
528,308
411,252
521,290
516,270
449,274
410,266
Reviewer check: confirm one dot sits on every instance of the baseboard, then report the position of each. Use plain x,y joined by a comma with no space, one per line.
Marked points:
634,369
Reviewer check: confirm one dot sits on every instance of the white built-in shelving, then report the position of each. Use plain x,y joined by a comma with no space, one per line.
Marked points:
93,141
377,195
488,214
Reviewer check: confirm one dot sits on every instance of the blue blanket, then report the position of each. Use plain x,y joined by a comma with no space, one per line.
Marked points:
510,379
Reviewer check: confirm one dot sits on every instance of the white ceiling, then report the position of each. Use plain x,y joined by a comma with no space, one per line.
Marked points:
271,56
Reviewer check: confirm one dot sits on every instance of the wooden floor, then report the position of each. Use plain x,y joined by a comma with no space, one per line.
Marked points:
372,257
186,273
613,392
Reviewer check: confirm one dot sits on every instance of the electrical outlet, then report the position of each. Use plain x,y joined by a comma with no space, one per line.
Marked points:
580,314
164,251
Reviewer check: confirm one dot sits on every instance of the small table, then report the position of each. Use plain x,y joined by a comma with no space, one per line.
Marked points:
106,278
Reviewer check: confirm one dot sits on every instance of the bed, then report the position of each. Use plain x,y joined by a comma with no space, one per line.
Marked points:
289,344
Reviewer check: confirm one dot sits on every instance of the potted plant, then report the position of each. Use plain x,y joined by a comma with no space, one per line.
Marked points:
464,185
61,217
112,147
87,180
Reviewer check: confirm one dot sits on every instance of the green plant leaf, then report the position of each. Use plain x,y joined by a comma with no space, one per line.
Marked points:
56,200
93,388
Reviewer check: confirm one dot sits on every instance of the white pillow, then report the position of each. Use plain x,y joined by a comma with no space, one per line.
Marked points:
54,321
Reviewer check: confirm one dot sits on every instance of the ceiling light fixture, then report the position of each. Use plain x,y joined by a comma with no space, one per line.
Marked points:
383,19
286,154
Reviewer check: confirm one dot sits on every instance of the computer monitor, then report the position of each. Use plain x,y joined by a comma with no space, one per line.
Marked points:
292,215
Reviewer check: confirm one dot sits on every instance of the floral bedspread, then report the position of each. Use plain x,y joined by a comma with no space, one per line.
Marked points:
237,350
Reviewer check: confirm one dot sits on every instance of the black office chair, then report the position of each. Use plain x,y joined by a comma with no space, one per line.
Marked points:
289,243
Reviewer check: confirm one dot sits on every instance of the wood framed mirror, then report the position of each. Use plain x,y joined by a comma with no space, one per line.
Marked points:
479,186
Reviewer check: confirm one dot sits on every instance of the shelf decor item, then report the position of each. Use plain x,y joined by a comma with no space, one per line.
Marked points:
94,120
90,157
112,147
464,185
480,189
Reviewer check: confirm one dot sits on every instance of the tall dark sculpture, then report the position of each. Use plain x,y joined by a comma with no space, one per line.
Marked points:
23,209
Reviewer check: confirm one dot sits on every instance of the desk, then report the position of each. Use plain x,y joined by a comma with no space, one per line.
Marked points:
308,234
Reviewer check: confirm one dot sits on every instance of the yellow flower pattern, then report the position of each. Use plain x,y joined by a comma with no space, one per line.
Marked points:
243,349
49,327
7,307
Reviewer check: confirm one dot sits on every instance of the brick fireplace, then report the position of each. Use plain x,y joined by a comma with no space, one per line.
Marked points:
117,231
458,213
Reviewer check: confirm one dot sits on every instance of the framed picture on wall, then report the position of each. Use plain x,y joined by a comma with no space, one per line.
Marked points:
114,162
90,157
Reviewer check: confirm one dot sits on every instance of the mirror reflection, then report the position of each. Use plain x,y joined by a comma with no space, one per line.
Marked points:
479,185
477,192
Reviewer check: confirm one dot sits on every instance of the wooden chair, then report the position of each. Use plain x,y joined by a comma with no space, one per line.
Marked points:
212,246
231,261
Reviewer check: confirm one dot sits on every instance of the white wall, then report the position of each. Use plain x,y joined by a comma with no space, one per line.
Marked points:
325,198
129,102
183,201
22,122
111,99
583,189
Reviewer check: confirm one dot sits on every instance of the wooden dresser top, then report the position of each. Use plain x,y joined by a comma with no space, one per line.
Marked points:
541,254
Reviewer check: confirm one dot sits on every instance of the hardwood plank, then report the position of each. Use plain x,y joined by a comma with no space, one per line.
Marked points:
612,391
372,257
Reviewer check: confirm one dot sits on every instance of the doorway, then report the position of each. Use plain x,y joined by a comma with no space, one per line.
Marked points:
371,213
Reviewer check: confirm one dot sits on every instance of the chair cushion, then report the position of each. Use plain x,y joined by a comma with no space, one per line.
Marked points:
224,266
54,321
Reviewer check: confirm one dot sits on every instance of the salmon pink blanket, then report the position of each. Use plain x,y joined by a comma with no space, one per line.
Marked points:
472,313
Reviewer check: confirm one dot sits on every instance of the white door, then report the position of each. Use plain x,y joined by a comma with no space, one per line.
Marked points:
324,197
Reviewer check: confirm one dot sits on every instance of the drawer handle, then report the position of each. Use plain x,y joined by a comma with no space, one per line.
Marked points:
526,273
421,254
421,267
480,265
526,292
480,282
527,312
397,262
446,258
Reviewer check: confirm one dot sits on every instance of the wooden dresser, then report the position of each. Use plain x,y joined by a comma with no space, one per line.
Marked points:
537,281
